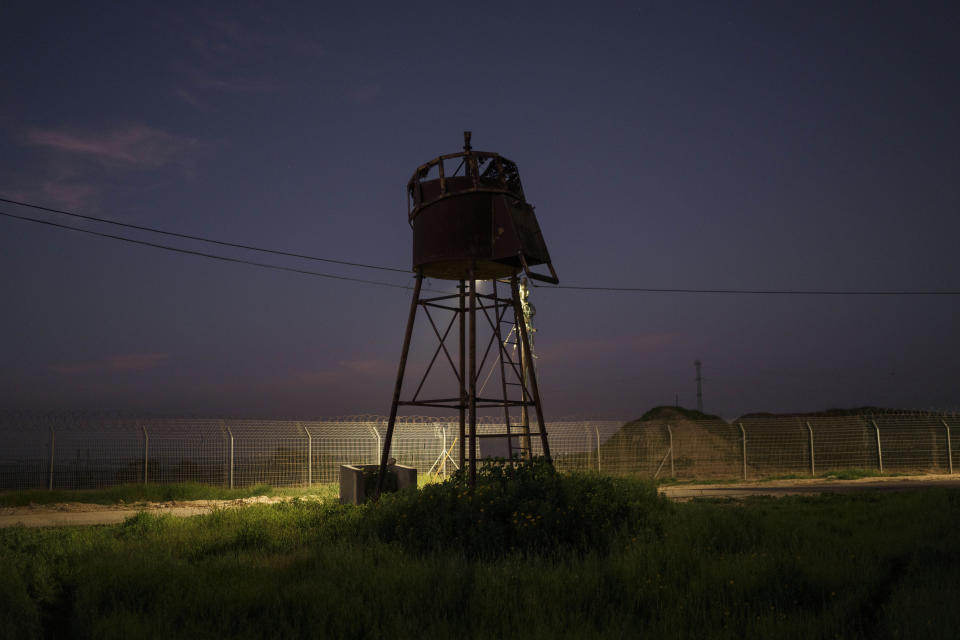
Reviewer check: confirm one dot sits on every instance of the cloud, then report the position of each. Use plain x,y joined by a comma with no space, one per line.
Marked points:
344,370
310,379
80,168
370,367
70,195
576,349
188,97
204,81
135,145
306,47
228,37
365,93
222,52
114,364
64,192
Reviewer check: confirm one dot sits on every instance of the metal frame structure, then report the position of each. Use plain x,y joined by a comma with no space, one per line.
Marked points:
473,223
464,308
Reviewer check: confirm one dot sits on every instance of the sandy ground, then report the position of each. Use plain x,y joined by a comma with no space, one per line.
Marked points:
800,486
79,514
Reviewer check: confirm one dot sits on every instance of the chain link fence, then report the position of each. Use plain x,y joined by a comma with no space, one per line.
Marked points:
69,451
763,446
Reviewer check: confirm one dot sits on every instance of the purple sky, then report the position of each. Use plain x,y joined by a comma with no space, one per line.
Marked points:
757,145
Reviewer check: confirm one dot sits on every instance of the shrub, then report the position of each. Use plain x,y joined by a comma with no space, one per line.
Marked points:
529,508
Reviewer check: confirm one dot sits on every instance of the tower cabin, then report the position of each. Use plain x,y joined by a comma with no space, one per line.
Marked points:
468,212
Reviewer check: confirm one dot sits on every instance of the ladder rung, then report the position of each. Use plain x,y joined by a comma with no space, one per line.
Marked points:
505,435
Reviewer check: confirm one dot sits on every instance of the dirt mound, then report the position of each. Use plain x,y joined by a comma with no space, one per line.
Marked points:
674,413
673,441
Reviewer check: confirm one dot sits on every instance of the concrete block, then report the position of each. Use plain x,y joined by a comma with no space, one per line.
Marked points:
351,485
355,478
406,476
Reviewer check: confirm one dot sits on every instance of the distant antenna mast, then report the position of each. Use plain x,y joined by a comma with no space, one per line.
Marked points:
697,364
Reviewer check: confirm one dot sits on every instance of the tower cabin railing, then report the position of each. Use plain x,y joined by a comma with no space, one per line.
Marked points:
469,215
458,173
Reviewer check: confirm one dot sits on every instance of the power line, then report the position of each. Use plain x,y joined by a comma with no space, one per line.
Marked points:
200,238
792,292
774,292
202,254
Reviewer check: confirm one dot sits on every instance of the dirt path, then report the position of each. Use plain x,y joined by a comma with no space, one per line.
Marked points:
778,488
80,513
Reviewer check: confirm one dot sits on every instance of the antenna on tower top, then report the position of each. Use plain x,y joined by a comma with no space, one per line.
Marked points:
466,140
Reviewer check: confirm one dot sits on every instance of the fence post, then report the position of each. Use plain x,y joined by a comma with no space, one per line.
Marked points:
146,452
879,450
813,464
230,433
673,473
53,439
743,441
309,455
442,469
596,430
586,432
949,449
379,442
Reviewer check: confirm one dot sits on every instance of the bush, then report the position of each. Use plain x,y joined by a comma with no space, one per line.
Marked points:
371,475
529,508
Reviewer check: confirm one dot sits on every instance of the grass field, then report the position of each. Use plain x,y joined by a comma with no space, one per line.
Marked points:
839,474
138,493
529,554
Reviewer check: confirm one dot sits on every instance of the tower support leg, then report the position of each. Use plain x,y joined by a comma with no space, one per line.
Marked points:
472,347
531,372
498,336
525,448
468,401
463,371
384,457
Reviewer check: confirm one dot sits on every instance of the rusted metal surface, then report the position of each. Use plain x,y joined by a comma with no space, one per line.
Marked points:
472,367
471,223
479,317
391,422
469,208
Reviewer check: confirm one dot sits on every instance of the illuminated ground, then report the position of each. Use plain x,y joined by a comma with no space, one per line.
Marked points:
82,514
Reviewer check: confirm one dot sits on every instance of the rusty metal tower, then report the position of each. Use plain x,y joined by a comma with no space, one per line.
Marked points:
471,224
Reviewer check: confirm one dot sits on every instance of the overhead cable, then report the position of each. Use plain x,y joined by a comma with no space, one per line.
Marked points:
202,254
791,292
773,292
200,238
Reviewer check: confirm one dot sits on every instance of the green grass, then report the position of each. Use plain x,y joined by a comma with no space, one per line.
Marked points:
856,474
840,474
584,556
139,493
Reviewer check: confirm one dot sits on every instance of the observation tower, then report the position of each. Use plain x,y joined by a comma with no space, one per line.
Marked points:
473,225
